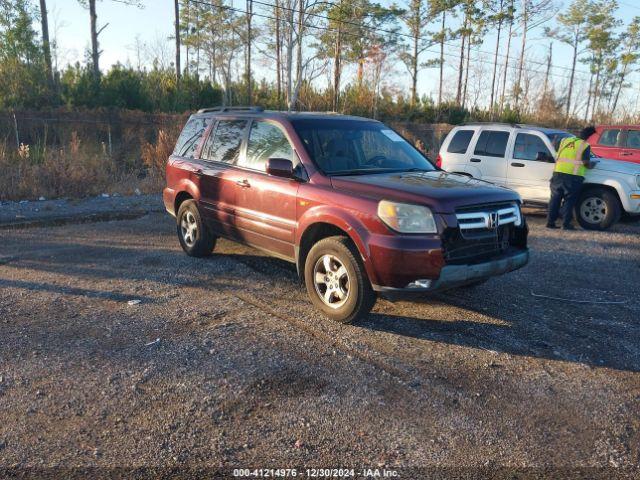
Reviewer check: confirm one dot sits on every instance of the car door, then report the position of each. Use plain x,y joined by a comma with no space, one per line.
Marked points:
530,167
218,179
631,152
265,204
489,155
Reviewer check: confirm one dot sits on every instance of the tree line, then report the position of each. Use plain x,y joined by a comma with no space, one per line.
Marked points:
347,55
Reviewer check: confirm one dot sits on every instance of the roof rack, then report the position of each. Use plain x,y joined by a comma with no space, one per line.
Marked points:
231,109
502,124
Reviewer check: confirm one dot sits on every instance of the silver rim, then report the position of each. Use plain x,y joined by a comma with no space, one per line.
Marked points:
189,228
593,210
331,280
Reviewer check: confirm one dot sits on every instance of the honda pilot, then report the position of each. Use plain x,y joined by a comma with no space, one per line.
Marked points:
350,202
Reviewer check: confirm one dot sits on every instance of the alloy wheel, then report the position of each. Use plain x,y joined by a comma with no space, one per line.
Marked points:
189,228
331,281
593,210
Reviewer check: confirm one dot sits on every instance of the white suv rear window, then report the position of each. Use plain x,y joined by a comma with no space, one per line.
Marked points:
460,141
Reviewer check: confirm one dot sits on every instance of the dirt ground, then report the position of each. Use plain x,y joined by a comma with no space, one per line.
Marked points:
224,363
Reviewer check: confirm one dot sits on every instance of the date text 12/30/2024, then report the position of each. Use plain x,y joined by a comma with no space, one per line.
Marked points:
314,473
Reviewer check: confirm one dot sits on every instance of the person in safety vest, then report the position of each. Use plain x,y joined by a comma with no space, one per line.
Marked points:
572,162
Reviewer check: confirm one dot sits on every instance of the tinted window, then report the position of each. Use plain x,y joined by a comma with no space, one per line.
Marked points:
556,137
223,145
351,147
266,141
609,138
633,139
460,141
189,139
492,143
527,147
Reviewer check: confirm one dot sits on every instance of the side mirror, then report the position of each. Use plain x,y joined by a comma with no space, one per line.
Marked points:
280,167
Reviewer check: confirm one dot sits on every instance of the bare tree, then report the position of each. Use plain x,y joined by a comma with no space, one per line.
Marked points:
95,32
533,13
416,18
177,34
46,45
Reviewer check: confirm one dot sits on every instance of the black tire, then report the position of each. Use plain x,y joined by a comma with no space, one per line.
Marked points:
597,209
359,298
201,242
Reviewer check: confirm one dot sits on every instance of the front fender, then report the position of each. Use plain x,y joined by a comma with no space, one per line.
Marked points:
345,220
621,189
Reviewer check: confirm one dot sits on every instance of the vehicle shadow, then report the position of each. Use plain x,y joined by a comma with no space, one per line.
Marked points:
501,316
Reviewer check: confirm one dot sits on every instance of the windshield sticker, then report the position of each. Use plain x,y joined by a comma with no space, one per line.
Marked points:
393,136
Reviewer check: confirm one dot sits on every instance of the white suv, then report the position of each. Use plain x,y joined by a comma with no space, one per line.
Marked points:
521,157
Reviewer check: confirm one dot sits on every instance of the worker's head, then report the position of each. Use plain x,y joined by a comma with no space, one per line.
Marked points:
586,132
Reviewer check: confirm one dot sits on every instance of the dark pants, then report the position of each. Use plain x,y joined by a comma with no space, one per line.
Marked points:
563,187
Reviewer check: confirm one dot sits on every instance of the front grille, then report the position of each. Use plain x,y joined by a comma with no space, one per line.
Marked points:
459,248
483,232
484,220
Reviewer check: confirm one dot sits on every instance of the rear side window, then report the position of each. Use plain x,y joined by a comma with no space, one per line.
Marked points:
492,143
189,139
223,145
609,138
460,141
633,139
266,141
527,147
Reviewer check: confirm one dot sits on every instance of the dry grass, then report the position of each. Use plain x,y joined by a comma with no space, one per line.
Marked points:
78,170
81,153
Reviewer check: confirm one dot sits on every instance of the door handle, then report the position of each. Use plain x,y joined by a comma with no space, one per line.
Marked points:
244,183
476,160
516,164
199,172
625,154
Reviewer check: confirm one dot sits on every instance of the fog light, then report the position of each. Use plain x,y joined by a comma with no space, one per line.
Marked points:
420,284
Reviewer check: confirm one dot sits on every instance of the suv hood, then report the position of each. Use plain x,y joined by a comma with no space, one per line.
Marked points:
441,191
618,166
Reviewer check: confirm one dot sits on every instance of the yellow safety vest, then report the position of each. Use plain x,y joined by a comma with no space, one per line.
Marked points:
570,156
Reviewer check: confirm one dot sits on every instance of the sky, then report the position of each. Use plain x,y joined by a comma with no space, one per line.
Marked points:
133,34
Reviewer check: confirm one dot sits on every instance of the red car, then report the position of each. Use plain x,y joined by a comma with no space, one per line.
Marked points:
354,206
617,142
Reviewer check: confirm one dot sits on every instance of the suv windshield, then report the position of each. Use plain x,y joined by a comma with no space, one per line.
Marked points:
348,147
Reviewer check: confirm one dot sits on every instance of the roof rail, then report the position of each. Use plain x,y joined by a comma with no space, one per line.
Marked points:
502,124
231,109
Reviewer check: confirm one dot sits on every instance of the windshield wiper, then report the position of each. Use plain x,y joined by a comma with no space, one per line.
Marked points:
361,171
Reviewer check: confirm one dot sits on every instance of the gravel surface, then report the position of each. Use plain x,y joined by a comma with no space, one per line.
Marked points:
223,362
60,210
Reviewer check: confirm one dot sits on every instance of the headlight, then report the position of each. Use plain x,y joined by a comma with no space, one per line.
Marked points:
518,221
406,218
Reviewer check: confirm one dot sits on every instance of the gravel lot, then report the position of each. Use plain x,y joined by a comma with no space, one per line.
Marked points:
224,363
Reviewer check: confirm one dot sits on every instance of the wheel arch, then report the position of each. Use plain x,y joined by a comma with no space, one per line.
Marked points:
185,190
328,225
588,187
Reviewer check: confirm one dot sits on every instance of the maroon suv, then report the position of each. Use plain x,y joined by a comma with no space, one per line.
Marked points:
357,208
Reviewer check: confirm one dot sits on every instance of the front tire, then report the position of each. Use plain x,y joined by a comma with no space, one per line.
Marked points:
336,280
597,209
195,238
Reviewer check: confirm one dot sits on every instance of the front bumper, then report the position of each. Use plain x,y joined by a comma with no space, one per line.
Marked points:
452,276
632,204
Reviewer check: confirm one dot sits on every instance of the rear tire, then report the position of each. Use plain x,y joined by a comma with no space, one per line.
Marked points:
336,280
195,238
597,209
